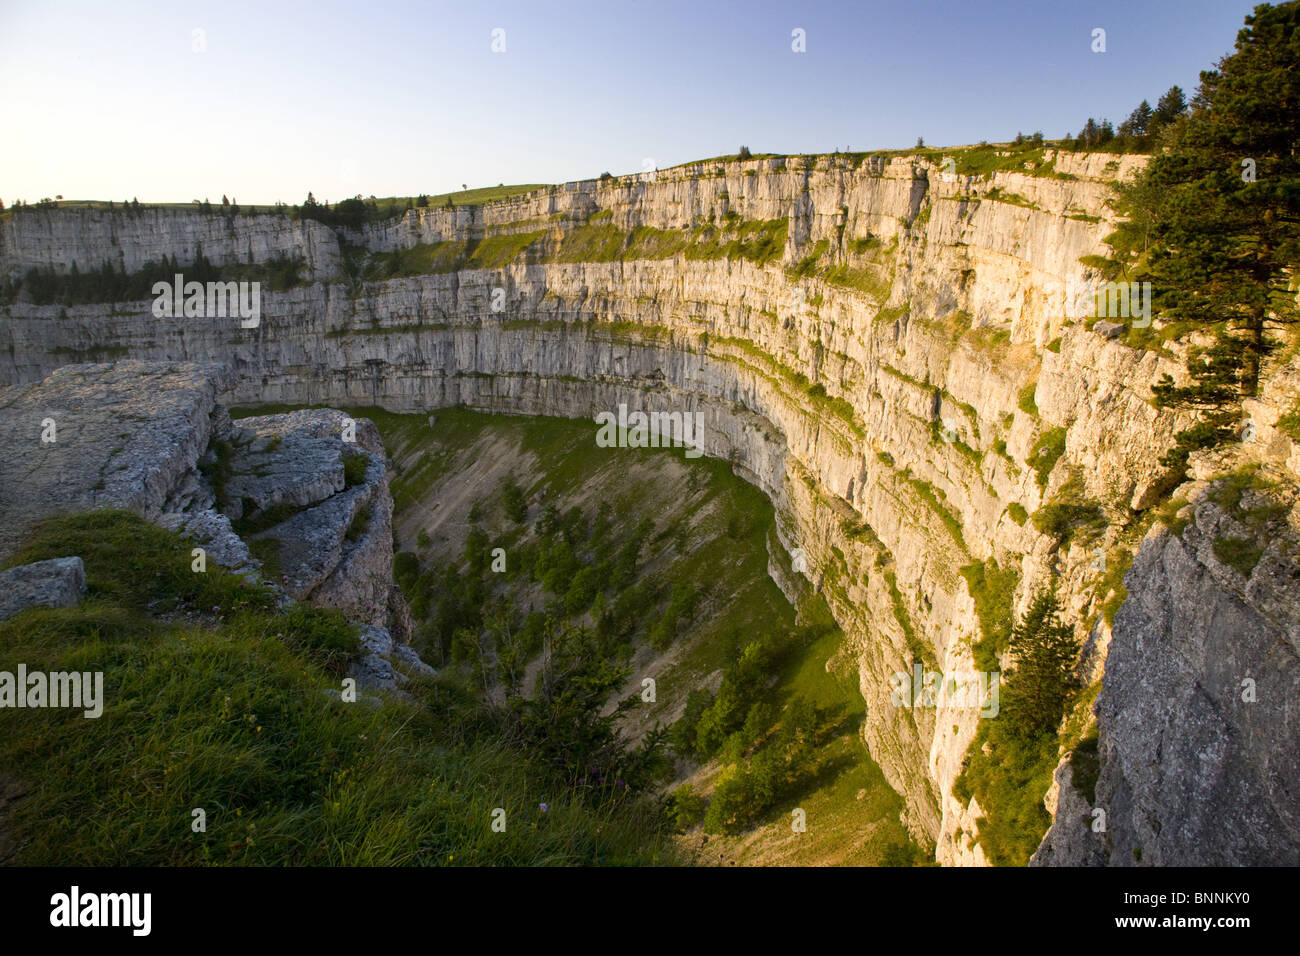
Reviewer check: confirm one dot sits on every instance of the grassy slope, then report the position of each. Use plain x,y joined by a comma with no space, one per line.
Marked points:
711,530
228,710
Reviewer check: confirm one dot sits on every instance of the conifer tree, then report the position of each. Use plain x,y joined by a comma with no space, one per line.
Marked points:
1215,223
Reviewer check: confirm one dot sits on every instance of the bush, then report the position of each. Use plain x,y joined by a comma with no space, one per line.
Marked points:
993,590
1010,779
685,808
1027,403
355,466
512,497
359,524
1047,451
731,806
1060,521
406,568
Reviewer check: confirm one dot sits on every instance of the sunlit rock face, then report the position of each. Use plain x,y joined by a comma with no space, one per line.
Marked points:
885,377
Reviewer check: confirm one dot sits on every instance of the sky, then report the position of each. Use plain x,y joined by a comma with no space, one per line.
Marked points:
263,101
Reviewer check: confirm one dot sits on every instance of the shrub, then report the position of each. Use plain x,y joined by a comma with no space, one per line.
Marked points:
1060,521
1010,779
1027,403
512,497
1047,451
355,466
685,808
993,590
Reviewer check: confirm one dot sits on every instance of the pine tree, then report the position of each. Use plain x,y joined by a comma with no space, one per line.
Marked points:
1044,652
1173,104
1218,211
1140,119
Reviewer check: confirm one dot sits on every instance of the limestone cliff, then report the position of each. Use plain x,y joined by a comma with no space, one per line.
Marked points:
888,375
149,437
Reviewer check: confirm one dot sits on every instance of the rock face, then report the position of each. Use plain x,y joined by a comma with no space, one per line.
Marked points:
1198,714
885,378
59,582
147,436
334,542
127,435
131,238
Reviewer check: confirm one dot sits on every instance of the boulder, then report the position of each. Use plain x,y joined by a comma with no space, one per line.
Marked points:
59,582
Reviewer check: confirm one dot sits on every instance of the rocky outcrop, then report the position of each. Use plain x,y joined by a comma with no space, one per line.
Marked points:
58,582
1198,713
150,437
128,238
331,534
127,435
889,377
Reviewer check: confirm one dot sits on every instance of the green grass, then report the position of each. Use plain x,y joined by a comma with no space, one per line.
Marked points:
1047,451
440,258
993,590
1290,423
1026,402
758,241
228,711
930,495
484,194
1111,587
1255,503
355,466
1060,520
1240,553
919,650
712,533
998,194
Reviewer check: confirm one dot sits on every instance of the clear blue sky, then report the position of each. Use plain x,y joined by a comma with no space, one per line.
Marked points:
109,100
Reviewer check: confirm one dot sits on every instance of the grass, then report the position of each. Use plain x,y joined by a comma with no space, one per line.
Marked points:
998,194
440,258
993,590
1243,554
229,711
710,530
1061,520
252,522
930,495
355,466
919,650
1047,451
1111,586
484,194
758,241
1026,402
1253,502
1290,423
